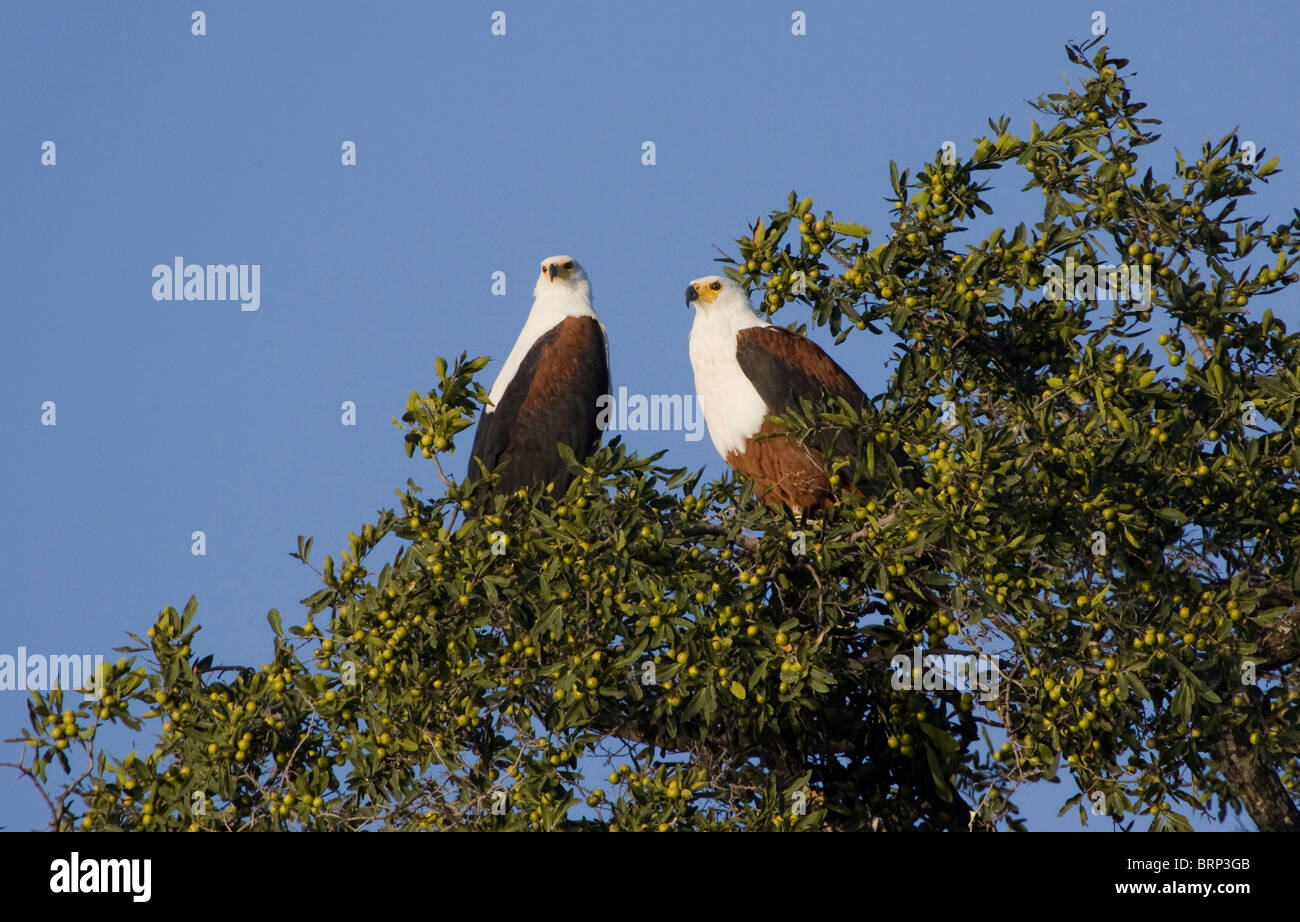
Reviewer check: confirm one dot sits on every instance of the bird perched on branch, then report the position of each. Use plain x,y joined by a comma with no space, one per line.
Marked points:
547,391
746,370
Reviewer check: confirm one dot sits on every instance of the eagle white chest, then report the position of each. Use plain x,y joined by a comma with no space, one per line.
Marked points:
732,407
548,311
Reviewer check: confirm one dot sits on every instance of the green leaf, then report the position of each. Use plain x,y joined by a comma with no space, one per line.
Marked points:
738,690
943,740
936,772
850,230
1182,703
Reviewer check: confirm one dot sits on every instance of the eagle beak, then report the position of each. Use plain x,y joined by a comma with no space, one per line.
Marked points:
553,270
691,295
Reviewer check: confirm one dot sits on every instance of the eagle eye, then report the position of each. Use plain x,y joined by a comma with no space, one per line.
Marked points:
716,286
568,265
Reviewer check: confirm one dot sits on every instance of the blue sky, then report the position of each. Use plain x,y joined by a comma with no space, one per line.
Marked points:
475,153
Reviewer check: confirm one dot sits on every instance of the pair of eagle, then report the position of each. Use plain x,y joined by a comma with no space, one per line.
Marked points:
746,370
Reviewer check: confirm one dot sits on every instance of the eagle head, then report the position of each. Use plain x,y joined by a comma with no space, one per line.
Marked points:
708,289
561,274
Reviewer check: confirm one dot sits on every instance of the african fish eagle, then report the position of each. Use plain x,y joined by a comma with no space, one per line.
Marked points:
746,370
547,391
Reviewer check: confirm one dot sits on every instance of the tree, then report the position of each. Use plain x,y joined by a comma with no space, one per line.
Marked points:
1109,530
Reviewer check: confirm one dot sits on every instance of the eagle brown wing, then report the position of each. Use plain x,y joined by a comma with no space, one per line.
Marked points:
784,365
552,399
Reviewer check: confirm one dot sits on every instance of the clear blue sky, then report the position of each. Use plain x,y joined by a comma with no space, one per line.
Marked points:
475,153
